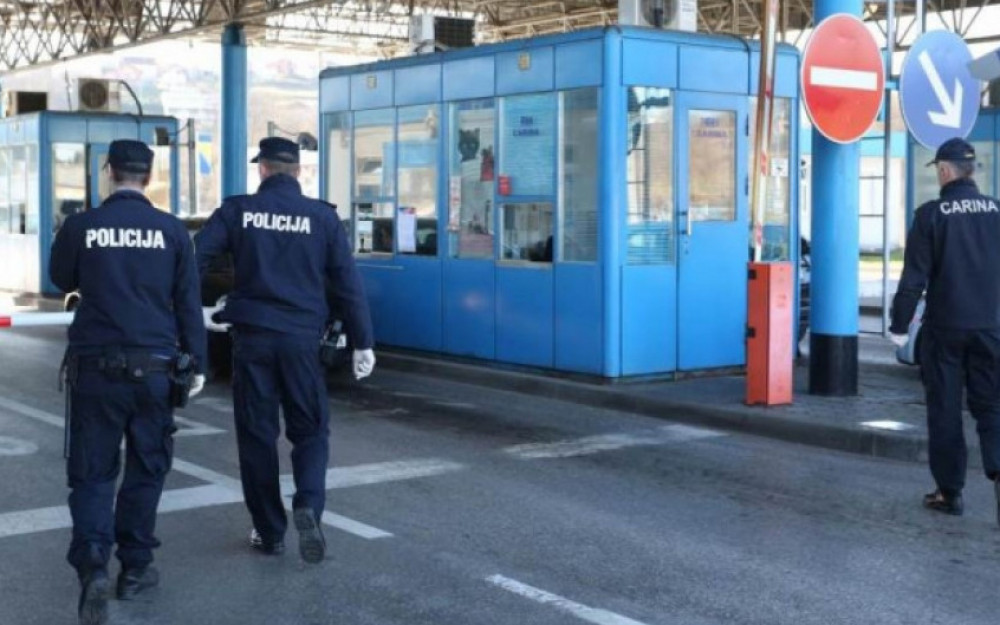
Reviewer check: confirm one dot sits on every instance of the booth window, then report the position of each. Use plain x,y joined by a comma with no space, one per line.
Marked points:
527,176
925,184
159,191
4,191
712,163
471,178
18,167
650,176
578,175
338,165
417,156
69,181
374,181
777,205
31,219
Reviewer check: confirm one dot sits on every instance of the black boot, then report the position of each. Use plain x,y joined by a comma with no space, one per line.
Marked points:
946,503
312,544
95,590
133,581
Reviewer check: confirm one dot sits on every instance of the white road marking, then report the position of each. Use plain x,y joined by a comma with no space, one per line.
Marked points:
378,473
195,428
591,615
609,442
843,78
32,413
216,403
16,447
454,404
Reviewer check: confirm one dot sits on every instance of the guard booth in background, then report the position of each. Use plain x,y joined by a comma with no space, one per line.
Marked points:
51,167
577,202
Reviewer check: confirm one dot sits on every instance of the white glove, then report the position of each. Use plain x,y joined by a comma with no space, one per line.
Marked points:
364,362
197,385
210,311
899,339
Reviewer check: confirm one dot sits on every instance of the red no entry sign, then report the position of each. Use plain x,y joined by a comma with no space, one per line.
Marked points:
843,80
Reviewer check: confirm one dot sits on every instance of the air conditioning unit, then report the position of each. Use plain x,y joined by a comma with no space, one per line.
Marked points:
672,14
430,33
21,102
98,94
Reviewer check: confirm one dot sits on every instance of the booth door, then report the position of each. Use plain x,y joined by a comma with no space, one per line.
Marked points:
99,187
713,224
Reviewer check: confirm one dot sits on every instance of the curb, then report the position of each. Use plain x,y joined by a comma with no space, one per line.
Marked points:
764,422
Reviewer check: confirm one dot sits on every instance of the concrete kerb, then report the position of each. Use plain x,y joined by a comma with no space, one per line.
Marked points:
758,421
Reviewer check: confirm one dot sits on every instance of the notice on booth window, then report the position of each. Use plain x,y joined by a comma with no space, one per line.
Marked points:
406,229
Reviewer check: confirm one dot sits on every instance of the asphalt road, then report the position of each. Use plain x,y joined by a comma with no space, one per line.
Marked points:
452,504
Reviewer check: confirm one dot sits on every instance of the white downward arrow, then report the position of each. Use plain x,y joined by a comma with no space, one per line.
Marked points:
950,115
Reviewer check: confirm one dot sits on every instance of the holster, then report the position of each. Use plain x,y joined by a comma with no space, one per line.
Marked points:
331,346
181,380
68,371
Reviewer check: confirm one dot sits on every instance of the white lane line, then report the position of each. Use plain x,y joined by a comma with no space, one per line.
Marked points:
591,615
227,489
843,78
16,447
609,442
454,404
379,472
216,403
195,428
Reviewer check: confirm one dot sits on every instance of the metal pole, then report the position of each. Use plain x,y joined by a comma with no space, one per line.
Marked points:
192,169
890,48
921,16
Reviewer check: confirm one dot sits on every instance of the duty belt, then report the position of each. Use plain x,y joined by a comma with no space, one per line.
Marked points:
136,366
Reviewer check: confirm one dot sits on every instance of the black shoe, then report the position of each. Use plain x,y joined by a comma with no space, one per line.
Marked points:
93,606
257,543
312,544
133,581
939,502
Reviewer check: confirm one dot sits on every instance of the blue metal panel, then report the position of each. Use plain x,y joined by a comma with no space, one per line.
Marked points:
525,315
470,308
381,279
611,187
579,64
469,78
984,128
101,131
649,320
648,63
786,74
335,94
524,71
418,85
66,129
417,304
234,111
714,69
371,90
579,324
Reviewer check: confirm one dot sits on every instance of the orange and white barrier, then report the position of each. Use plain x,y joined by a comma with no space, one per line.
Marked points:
35,319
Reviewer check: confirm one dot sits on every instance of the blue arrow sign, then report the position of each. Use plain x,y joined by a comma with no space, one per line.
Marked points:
938,95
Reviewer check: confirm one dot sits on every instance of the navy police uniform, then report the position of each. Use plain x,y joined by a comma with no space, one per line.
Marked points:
953,250
284,246
135,270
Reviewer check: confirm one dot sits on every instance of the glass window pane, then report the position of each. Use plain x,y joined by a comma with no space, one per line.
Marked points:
579,175
527,232
984,167
159,190
471,178
374,227
374,154
338,179
712,159
4,190
528,156
18,189
417,147
650,176
31,220
69,181
925,184
777,207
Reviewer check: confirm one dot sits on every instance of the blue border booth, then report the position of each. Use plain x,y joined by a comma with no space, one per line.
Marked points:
51,167
575,202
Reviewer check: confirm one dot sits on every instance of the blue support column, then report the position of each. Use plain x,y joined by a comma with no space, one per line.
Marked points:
612,195
833,342
234,111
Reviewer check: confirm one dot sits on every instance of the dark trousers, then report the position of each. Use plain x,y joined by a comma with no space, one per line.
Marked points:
106,408
272,370
951,359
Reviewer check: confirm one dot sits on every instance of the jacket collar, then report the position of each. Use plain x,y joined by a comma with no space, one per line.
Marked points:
960,187
127,194
279,181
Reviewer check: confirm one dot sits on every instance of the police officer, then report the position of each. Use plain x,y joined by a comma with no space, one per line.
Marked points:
135,270
953,251
284,247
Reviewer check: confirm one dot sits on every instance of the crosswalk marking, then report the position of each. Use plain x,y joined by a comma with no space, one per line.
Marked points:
609,442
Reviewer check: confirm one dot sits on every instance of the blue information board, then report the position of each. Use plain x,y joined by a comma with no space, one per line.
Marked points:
938,95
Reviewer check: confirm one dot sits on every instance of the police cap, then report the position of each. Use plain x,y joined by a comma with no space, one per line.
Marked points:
954,151
277,149
130,156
